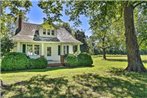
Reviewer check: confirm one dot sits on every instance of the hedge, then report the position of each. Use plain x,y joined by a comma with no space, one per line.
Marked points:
71,60
83,59
38,63
14,61
18,61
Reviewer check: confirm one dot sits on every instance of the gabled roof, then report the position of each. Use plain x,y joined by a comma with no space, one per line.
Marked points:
27,33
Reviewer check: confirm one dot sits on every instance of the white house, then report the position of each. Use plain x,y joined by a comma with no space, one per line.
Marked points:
36,41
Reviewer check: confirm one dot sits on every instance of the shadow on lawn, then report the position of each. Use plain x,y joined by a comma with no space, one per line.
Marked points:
123,60
85,85
44,70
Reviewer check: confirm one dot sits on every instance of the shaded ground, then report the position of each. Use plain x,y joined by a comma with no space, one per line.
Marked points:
88,85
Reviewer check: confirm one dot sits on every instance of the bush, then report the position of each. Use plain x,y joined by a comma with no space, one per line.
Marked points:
14,61
82,59
38,63
71,60
85,59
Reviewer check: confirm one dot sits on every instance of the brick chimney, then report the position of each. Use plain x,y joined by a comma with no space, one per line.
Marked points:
19,23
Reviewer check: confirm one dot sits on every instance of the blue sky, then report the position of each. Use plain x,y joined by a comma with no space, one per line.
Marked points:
36,15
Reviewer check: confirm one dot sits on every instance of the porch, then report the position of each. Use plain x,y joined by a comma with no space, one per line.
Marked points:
51,51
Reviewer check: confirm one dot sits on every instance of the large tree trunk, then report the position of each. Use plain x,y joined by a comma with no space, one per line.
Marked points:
134,59
104,53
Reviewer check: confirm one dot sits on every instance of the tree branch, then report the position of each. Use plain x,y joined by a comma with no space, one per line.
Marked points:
138,3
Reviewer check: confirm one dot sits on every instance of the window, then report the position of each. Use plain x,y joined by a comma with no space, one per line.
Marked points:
52,32
29,50
48,51
36,49
24,48
66,49
75,48
44,31
48,32
59,50
37,32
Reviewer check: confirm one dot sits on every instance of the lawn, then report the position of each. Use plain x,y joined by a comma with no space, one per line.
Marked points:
105,79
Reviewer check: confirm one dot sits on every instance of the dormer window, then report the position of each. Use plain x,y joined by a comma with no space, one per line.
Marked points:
44,31
48,32
52,32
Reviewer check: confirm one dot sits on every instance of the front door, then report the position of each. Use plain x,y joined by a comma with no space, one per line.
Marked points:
49,53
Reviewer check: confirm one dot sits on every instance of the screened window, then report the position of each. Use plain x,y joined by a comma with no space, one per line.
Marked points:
75,48
36,49
66,49
48,51
29,49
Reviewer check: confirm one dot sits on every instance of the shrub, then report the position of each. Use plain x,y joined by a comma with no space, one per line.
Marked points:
85,59
38,63
82,59
71,60
14,61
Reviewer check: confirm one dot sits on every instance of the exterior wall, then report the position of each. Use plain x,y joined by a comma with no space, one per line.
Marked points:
43,49
54,51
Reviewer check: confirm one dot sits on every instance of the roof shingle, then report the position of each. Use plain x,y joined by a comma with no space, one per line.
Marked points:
28,33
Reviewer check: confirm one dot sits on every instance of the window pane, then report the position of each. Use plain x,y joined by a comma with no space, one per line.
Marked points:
44,31
24,48
48,51
52,32
75,48
59,50
36,49
67,49
29,49
48,32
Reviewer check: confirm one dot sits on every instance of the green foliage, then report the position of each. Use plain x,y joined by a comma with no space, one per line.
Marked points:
8,19
80,35
52,9
6,45
71,60
38,63
85,59
14,61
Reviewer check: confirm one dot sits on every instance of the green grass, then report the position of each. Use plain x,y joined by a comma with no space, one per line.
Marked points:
105,79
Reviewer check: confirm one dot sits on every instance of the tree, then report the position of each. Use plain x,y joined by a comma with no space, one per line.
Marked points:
6,45
80,35
109,10
8,19
134,59
105,12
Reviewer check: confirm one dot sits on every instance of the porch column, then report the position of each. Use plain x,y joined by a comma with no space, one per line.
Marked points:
18,47
42,49
71,49
79,51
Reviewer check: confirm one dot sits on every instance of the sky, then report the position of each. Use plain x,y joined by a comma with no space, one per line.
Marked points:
36,15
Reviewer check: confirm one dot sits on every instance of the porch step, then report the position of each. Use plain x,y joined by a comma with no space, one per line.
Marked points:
55,65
